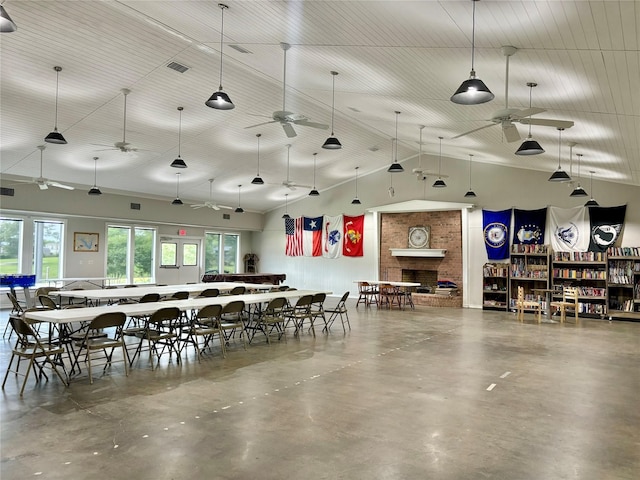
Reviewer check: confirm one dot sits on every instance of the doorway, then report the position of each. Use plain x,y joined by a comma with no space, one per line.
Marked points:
180,259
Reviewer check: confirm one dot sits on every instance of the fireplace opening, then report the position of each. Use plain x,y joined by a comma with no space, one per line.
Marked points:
428,279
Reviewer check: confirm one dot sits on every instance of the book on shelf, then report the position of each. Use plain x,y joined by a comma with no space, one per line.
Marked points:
623,251
529,248
578,256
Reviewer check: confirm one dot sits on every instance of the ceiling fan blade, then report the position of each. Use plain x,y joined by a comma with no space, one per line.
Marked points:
226,207
527,112
306,123
288,129
199,205
510,132
547,122
60,185
474,130
259,124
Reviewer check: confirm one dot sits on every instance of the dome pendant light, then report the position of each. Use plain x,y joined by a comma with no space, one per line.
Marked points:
6,24
95,190
395,167
314,192
530,146
55,136
239,209
179,162
472,91
332,143
220,100
356,200
177,200
579,191
591,202
257,180
470,193
439,183
286,207
559,175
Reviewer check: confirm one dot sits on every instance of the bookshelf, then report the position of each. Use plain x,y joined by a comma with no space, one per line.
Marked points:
623,265
495,286
528,268
587,271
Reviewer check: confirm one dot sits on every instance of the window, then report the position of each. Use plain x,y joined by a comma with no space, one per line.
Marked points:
169,254
223,259
130,254
190,254
47,248
10,245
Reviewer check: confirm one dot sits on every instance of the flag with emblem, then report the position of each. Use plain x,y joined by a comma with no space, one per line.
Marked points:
569,229
293,232
353,236
528,226
496,226
312,237
332,236
606,227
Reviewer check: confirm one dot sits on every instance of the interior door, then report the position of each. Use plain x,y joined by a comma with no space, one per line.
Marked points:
180,260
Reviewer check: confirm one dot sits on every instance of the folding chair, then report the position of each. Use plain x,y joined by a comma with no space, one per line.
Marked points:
271,320
339,311
205,324
368,294
317,311
161,329
300,312
231,321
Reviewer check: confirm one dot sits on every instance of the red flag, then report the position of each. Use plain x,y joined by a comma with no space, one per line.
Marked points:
353,231
294,234
312,237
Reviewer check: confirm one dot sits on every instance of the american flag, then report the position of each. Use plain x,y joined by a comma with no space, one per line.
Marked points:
293,230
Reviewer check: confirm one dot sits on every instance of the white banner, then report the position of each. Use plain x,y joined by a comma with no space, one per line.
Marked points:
332,236
569,229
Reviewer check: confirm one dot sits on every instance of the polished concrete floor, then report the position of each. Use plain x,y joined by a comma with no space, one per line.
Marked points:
431,393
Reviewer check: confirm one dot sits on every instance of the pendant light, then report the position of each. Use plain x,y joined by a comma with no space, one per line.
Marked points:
179,162
239,209
286,207
530,146
95,190
332,143
356,200
591,202
177,200
314,192
395,167
6,24
470,193
257,180
579,191
559,175
220,100
55,136
472,91
439,183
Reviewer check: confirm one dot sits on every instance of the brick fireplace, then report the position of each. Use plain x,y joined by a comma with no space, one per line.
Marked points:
446,233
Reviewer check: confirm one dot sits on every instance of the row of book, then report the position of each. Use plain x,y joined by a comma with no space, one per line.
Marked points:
586,273
536,248
496,270
623,251
578,256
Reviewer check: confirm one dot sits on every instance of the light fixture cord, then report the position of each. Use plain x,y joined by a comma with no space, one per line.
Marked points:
55,126
124,126
559,147
179,131
395,157
530,92
222,8
357,182
420,154
95,171
286,203
473,38
177,185
579,158
258,136
333,98
239,186
440,157
470,159
314,170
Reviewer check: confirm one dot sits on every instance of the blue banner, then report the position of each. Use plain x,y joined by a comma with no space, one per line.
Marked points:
528,226
495,228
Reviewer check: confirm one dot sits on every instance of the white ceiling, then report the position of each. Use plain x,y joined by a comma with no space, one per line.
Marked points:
406,56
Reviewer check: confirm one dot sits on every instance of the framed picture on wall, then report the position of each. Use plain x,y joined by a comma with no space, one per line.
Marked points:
85,242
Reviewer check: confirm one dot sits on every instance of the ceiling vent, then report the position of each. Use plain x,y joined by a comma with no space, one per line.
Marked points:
226,216
135,206
7,192
178,67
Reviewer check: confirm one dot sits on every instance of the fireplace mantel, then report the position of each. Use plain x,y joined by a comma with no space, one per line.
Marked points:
418,252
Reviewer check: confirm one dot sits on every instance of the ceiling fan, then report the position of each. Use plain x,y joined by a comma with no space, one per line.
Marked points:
210,203
123,146
508,116
290,184
285,118
43,183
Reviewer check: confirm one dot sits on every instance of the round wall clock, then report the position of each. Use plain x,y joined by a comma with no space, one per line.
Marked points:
419,237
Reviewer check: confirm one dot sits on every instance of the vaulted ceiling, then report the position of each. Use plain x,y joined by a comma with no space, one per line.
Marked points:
406,56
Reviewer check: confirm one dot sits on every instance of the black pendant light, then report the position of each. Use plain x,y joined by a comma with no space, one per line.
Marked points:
472,91
257,180
579,191
55,136
591,202
95,190
220,100
395,167
356,200
559,175
439,183
286,207
332,143
177,200
6,24
179,162
239,209
470,193
314,191
530,146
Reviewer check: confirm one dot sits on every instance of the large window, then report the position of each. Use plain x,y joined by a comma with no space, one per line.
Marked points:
223,259
47,249
130,254
10,245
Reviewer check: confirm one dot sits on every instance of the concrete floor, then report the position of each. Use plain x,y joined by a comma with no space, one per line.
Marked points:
431,393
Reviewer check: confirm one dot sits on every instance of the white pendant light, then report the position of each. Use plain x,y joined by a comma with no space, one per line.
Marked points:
332,143
314,191
179,162
395,167
356,200
239,209
470,193
559,175
95,190
472,91
220,100
55,136
439,183
257,180
6,24
530,146
177,200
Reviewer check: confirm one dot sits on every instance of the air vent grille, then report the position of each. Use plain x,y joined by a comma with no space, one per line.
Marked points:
7,192
178,67
135,206
226,216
